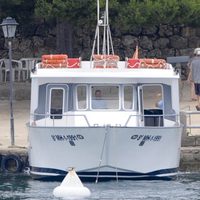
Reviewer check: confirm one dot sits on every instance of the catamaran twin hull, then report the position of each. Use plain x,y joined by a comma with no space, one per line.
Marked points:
105,153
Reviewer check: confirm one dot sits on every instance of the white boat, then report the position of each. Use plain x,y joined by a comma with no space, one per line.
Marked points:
129,130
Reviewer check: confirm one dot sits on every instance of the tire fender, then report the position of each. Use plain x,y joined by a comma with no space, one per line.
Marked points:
11,163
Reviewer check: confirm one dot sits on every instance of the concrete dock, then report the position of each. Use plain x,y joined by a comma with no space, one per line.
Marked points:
190,151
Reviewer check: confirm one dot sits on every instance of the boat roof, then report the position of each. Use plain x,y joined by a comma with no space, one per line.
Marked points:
86,71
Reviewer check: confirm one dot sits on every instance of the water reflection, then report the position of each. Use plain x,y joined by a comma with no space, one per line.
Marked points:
187,186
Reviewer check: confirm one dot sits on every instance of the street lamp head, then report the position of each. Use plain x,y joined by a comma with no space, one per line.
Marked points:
9,27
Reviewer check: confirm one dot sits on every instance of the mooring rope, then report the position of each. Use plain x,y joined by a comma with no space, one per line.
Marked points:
104,142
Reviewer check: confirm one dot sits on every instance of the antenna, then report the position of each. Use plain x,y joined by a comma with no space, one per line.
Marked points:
102,33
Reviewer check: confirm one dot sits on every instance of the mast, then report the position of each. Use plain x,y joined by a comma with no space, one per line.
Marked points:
102,33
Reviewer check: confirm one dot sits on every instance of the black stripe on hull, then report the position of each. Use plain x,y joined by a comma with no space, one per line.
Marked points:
102,175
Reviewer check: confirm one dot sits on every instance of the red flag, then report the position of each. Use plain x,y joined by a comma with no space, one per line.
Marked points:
135,55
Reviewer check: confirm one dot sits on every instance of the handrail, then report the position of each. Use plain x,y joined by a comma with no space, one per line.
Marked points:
188,114
164,116
192,127
137,116
60,115
192,112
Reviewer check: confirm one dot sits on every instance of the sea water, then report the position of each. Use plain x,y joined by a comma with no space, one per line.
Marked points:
185,187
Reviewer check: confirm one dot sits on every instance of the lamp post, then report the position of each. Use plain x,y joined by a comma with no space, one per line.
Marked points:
9,27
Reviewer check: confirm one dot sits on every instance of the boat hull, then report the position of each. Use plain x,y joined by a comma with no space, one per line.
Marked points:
105,153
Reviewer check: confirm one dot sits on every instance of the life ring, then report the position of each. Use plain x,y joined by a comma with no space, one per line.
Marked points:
152,63
105,61
98,57
54,61
59,61
58,65
112,57
55,57
11,163
49,61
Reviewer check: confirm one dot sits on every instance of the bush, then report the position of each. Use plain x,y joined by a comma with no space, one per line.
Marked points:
156,12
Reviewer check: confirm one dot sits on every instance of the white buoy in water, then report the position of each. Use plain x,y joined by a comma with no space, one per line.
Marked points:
71,187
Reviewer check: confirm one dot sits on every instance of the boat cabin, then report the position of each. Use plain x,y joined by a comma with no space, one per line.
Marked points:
86,95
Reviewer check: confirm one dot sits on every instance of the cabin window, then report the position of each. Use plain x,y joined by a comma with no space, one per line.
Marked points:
81,97
152,105
152,97
105,97
128,97
56,106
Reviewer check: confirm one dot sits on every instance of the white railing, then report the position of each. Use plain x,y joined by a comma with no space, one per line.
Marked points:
81,120
191,121
159,120
52,119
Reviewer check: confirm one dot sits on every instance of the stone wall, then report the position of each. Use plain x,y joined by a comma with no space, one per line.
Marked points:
159,41
31,40
39,37
190,159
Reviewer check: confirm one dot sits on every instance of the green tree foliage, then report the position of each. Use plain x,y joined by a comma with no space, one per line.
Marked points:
123,13
22,10
80,12
155,12
75,11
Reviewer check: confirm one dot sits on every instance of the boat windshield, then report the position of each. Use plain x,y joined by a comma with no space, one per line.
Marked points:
105,97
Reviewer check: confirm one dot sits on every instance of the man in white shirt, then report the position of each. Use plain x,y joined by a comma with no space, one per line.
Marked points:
98,102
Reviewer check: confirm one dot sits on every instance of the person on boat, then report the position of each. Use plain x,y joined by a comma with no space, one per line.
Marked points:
98,102
169,111
159,104
194,75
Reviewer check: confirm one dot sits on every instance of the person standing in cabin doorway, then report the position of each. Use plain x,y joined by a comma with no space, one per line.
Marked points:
194,75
